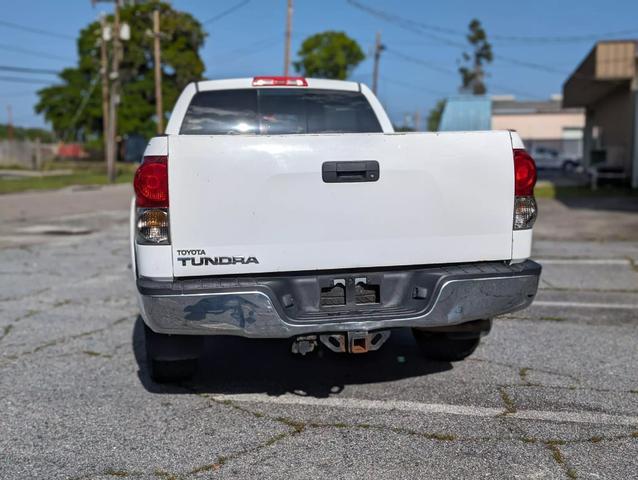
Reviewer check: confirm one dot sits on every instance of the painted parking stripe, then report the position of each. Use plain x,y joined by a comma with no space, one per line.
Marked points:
583,261
612,306
432,408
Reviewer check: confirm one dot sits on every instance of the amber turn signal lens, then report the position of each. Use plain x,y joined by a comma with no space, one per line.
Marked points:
152,225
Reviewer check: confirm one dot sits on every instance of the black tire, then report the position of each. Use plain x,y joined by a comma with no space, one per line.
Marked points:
448,347
171,358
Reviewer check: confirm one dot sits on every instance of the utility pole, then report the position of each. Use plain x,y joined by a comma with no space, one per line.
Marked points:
105,84
417,121
114,100
158,73
378,48
9,123
111,95
634,146
288,35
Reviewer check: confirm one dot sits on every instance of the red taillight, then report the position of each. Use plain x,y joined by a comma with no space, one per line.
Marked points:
151,182
279,82
524,173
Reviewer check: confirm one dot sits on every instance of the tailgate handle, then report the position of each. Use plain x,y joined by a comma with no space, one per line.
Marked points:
347,172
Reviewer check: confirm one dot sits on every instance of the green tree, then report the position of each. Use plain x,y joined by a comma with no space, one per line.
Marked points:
74,107
328,55
434,117
473,73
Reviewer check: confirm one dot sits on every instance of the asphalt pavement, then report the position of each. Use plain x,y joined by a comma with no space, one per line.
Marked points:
552,392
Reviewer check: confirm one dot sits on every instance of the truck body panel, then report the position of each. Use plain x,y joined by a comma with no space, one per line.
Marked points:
284,207
439,198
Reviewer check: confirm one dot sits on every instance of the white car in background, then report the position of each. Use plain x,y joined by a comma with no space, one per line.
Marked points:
549,158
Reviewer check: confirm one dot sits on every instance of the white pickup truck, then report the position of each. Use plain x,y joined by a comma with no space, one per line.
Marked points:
286,207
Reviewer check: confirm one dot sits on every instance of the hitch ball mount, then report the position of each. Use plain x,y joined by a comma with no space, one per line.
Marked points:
360,341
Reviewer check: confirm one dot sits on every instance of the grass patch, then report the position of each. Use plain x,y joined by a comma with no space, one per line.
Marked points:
208,468
298,427
442,437
164,475
6,330
522,373
13,167
88,174
116,473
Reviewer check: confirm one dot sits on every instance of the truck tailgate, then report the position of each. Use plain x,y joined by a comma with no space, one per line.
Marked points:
245,204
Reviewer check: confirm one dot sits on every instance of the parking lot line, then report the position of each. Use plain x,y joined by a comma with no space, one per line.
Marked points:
612,306
432,408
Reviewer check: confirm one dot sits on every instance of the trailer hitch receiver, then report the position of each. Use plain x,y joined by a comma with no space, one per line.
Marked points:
359,341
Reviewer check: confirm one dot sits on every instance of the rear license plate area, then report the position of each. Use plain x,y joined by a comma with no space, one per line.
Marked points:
350,291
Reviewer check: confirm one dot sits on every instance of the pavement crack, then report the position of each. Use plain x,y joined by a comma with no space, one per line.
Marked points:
508,403
5,331
23,297
633,263
570,387
559,458
522,373
517,368
63,340
549,284
223,459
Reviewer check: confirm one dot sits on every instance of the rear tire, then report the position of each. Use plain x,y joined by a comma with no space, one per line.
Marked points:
453,343
171,358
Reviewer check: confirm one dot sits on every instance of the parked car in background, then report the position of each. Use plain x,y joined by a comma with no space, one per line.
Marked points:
550,158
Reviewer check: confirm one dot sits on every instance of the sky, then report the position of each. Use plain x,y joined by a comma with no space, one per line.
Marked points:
536,44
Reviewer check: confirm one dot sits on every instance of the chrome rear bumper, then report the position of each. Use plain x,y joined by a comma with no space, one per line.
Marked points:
255,307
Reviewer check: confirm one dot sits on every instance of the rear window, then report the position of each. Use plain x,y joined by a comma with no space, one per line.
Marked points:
278,111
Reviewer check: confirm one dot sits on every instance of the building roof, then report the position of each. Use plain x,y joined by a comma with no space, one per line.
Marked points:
607,66
511,106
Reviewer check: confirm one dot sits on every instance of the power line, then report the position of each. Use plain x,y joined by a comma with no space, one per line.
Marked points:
23,80
20,93
384,15
28,70
416,27
421,62
34,53
421,29
387,16
413,86
587,37
447,71
83,103
226,12
241,53
37,31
